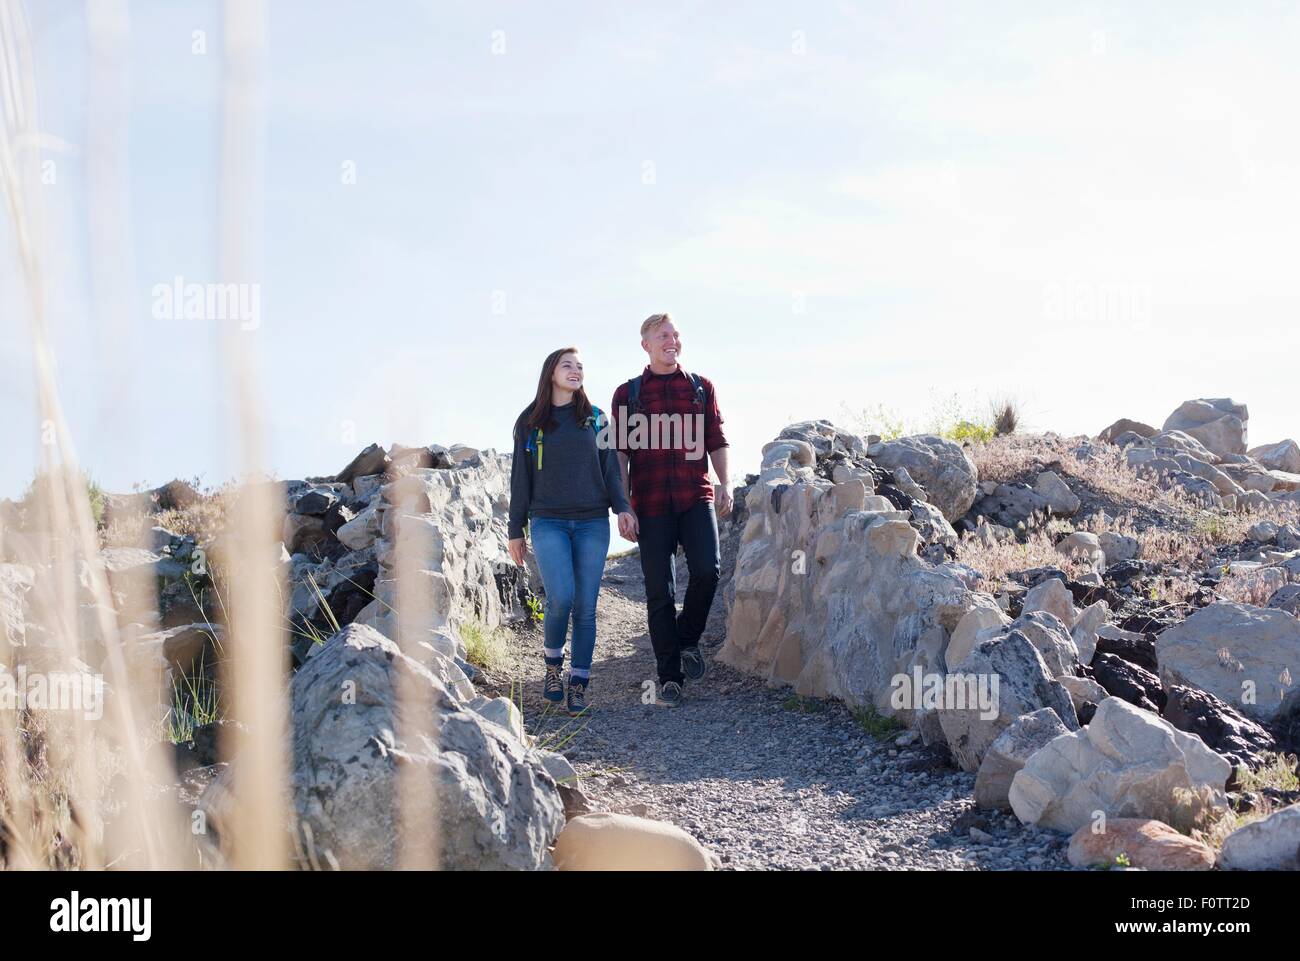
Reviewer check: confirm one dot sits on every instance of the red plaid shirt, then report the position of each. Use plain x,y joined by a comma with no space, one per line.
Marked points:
663,478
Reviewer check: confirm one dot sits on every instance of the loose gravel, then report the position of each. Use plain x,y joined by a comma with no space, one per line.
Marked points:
764,779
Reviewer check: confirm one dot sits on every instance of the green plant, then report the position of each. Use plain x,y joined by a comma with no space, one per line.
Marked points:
801,704
194,703
536,610
485,647
876,724
1122,860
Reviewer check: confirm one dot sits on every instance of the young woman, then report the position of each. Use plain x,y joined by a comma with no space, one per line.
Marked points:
562,486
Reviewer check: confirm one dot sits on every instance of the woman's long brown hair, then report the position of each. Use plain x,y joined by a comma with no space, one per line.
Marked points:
539,414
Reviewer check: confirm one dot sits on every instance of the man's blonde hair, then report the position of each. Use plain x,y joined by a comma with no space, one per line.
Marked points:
653,321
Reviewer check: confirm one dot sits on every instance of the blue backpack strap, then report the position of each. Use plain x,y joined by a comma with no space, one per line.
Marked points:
634,394
597,418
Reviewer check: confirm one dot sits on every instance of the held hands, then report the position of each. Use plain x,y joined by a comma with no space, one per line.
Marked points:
518,550
628,527
722,500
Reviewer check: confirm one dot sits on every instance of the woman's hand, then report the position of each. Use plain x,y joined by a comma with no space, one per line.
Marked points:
628,527
518,550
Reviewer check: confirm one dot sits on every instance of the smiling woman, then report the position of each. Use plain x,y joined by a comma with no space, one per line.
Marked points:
563,484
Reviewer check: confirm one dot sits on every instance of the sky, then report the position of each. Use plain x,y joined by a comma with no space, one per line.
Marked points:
845,206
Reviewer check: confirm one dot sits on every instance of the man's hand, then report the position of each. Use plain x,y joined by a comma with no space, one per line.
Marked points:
518,549
722,500
628,527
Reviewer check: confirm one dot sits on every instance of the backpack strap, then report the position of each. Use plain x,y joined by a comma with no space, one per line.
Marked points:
700,395
634,394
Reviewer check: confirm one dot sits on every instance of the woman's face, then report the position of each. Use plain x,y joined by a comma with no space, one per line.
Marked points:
568,372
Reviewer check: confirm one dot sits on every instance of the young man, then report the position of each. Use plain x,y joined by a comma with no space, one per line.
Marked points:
663,422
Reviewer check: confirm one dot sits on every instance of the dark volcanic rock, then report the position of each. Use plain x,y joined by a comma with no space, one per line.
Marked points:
1141,652
1223,729
1128,682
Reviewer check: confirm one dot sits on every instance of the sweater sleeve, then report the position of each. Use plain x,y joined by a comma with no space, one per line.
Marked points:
521,483
614,481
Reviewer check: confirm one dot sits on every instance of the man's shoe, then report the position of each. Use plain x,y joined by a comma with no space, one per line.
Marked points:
693,665
577,701
670,694
553,686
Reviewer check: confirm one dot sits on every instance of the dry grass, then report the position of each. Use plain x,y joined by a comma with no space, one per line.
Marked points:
998,561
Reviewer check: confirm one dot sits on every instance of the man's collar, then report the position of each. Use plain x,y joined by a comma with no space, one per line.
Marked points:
648,372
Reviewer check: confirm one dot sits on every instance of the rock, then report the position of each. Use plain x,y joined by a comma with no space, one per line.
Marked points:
1269,844
1262,532
1060,499
1128,682
932,525
1247,656
1083,546
982,617
1090,620
1117,547
497,808
870,612
1126,763
1023,687
315,501
1049,635
1053,596
503,711
1286,599
305,534
941,466
1145,843
1123,426
606,841
360,532
16,580
1008,754
1288,538
1224,730
1083,690
1283,456
1011,505
372,460
1218,423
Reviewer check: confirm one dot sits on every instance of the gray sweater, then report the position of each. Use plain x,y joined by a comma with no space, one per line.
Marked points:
577,480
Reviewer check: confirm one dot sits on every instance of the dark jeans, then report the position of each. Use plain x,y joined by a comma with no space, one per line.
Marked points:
696,530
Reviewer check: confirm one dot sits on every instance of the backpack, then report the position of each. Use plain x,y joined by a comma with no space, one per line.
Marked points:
534,445
634,392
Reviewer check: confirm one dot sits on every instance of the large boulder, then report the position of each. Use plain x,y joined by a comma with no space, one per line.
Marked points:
1144,843
1126,763
1282,456
1023,686
1124,426
1223,729
1219,423
495,807
1269,844
831,599
606,841
1008,754
941,466
1245,655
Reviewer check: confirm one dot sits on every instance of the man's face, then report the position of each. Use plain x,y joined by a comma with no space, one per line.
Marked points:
663,344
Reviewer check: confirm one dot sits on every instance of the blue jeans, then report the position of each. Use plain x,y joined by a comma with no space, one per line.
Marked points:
571,558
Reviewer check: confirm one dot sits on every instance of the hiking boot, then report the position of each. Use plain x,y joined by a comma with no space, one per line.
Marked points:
553,686
670,694
693,665
577,701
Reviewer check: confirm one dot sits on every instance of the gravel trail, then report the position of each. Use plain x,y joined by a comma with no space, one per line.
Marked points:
762,778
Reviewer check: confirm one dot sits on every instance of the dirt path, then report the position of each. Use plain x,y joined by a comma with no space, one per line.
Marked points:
761,778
